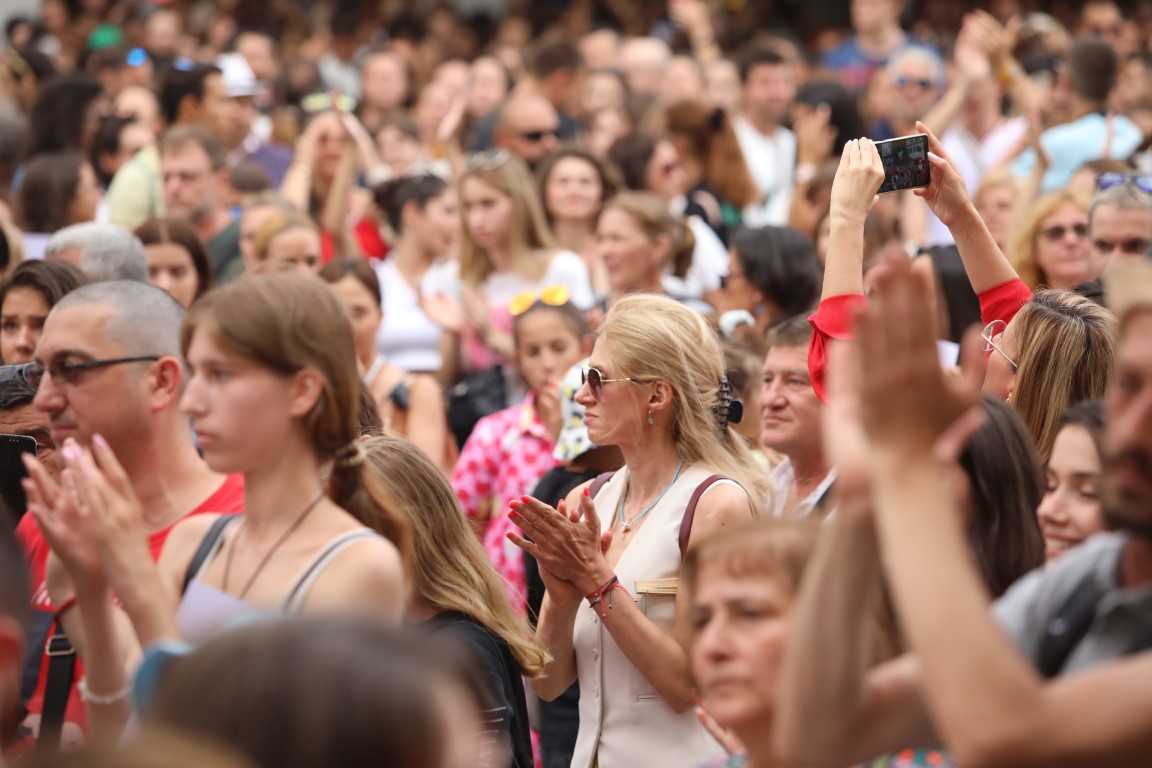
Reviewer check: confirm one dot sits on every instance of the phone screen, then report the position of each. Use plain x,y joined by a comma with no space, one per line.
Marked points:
12,471
905,162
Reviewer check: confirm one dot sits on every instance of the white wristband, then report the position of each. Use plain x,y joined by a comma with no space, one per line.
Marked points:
104,700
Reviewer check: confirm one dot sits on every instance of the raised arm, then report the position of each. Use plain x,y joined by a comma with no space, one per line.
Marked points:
853,194
833,711
947,196
987,701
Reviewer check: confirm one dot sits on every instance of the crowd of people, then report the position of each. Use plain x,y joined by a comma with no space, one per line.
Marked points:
485,384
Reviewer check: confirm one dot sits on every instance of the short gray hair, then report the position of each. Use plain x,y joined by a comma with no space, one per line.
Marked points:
922,55
146,319
107,252
1127,196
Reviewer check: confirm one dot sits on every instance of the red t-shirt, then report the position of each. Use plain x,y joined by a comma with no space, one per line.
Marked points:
833,320
228,499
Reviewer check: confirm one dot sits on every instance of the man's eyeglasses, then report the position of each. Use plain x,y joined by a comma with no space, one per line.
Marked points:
1057,232
596,381
537,136
1137,246
488,161
69,373
1142,181
921,83
990,334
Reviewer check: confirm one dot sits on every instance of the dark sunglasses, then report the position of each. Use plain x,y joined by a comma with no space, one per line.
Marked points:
69,373
1057,232
922,84
535,136
1142,181
596,381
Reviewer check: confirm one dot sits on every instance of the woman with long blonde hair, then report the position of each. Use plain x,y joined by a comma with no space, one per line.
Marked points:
656,388
506,249
456,590
1051,249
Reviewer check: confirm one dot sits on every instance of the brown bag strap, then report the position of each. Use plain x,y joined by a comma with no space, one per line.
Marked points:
690,510
598,483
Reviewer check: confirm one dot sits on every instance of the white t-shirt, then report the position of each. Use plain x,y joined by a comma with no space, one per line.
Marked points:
408,339
974,157
566,268
772,163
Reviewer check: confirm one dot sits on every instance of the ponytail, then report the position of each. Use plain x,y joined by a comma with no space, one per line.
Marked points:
353,486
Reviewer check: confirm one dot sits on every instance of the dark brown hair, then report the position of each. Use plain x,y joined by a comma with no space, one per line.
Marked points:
311,692
610,181
181,233
49,187
357,269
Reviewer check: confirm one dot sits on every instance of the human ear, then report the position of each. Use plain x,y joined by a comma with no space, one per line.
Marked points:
307,387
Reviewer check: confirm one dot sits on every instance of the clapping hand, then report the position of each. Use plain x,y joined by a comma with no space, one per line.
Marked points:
568,545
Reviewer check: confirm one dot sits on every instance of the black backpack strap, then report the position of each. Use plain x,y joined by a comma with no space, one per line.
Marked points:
598,483
1068,627
207,545
57,687
690,510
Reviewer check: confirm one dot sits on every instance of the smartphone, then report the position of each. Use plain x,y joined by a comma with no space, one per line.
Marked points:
12,471
905,162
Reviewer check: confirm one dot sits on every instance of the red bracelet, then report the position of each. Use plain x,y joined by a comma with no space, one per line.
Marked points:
63,608
597,597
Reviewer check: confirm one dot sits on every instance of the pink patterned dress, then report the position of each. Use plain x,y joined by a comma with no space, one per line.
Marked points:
503,459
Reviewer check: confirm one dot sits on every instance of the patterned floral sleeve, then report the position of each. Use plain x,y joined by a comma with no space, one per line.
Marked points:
474,477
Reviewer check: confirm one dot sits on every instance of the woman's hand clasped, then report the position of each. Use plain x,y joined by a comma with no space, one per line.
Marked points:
568,545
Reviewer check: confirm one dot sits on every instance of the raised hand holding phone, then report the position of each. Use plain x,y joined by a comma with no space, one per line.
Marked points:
858,179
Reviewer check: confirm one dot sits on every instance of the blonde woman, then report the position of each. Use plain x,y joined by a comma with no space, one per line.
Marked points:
506,249
638,239
655,388
456,591
286,239
1051,247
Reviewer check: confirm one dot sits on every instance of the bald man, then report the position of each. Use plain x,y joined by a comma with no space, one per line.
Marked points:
528,126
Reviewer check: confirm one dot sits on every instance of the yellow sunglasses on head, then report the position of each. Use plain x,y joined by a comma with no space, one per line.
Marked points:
552,295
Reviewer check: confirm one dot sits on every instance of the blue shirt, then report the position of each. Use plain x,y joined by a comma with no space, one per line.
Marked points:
1072,144
855,67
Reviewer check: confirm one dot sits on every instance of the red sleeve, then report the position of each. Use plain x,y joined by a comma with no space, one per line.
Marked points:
832,320
1002,302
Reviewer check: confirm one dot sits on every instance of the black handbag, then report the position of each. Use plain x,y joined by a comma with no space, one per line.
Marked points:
473,397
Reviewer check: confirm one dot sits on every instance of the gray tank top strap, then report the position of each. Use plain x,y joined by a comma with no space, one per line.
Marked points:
210,547
299,590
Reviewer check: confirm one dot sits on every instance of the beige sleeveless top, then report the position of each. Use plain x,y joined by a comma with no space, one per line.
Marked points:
623,720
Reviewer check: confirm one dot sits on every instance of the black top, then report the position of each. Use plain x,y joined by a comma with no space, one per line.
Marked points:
498,675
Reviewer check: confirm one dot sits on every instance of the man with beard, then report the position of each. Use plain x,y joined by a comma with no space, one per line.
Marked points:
1058,673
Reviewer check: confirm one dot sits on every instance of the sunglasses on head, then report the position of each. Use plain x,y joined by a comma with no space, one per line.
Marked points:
535,136
488,161
552,296
314,103
596,381
1110,179
1057,232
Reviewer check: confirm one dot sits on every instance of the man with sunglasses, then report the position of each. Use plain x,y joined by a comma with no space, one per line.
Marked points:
1120,219
528,126
109,363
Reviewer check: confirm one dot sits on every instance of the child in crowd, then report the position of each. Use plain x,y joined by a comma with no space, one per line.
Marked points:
510,450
